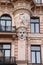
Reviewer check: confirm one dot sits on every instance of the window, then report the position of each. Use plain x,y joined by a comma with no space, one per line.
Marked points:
38,1
34,25
5,50
35,53
5,23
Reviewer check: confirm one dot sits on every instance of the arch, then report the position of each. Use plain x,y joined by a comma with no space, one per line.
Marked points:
6,15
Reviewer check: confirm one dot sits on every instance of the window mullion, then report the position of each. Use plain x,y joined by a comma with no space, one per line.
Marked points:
34,28
5,25
0,24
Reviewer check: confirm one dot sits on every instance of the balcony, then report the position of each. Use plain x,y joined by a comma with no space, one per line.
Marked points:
8,61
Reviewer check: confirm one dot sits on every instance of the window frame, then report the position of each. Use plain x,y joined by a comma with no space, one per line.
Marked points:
34,24
5,49
38,2
5,20
35,54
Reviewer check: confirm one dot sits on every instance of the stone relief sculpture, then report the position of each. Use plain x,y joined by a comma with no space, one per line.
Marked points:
22,33
21,19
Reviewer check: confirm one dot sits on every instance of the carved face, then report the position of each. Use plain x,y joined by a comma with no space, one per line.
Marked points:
22,33
21,19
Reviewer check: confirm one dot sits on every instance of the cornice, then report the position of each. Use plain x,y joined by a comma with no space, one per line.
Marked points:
18,4
22,5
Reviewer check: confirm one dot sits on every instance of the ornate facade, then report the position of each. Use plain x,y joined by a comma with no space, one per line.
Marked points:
21,31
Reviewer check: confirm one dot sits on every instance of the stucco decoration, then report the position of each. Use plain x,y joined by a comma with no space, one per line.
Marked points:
22,33
21,19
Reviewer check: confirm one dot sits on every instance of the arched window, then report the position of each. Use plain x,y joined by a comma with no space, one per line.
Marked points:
5,23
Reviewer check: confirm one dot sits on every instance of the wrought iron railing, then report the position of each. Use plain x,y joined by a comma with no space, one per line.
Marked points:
7,28
7,60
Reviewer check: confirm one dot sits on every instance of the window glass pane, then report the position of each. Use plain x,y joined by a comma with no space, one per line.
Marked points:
6,46
5,18
37,1
33,57
32,27
34,20
38,57
2,23
2,28
35,48
7,53
8,23
37,27
8,28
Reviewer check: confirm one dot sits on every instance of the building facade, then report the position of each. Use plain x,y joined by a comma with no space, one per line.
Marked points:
21,31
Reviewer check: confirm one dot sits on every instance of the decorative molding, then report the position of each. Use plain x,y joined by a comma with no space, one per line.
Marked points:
22,19
22,5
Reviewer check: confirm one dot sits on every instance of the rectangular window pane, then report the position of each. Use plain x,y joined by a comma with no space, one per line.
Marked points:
35,48
37,27
2,23
8,23
2,28
32,28
8,28
6,46
7,53
38,1
34,20
38,57
33,57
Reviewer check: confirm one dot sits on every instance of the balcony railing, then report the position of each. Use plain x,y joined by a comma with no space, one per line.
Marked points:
8,60
7,28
